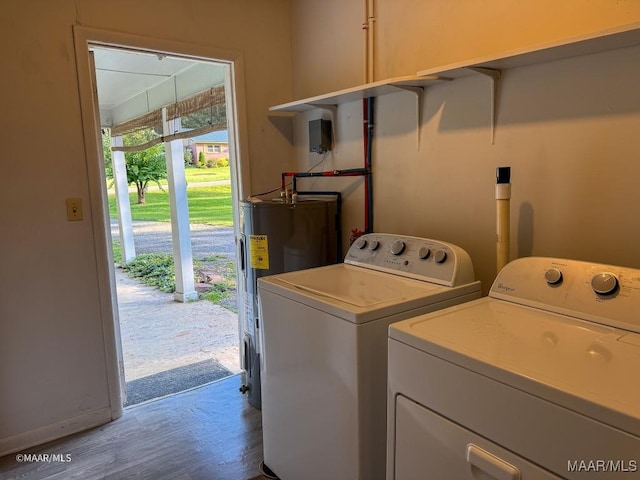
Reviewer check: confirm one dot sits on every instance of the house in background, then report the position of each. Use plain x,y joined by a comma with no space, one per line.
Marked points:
214,145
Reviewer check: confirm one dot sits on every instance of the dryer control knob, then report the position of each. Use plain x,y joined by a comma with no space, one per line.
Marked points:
397,247
374,245
441,256
553,276
424,253
361,243
604,283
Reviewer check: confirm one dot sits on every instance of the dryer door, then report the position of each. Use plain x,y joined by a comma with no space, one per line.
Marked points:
429,446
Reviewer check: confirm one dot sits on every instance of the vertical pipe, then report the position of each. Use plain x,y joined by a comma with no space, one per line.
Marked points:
371,20
503,198
365,41
365,139
369,177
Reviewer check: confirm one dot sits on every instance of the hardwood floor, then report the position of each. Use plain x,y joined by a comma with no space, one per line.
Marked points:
210,433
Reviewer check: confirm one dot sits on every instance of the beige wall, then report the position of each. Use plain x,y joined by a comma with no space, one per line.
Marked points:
414,35
567,128
326,46
52,353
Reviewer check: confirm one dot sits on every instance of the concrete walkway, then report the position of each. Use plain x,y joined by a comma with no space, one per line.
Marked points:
159,334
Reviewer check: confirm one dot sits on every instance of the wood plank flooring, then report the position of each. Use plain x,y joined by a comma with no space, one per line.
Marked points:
209,433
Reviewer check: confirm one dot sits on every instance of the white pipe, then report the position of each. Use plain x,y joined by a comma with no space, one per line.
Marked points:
503,227
365,41
371,21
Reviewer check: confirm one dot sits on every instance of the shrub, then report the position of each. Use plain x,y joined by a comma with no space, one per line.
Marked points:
201,159
154,269
223,162
211,163
188,156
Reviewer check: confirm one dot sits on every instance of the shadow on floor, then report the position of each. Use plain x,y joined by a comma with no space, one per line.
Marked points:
175,380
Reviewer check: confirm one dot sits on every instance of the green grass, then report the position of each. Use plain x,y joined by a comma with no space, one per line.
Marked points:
117,250
207,205
193,175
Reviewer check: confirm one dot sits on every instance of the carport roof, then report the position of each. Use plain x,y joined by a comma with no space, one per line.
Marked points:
132,83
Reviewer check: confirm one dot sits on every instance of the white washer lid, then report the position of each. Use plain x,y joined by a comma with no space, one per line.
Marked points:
358,294
360,288
563,359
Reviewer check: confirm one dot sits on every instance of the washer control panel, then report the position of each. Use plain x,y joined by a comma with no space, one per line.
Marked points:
414,257
603,293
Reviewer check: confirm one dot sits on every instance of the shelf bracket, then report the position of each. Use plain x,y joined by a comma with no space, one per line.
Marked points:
495,77
419,91
333,111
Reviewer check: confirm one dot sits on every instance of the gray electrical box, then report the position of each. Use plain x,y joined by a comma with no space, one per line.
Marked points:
319,136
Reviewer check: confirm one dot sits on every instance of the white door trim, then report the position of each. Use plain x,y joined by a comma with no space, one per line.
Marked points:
84,38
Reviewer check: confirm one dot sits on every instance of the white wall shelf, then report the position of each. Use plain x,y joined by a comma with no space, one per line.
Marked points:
490,66
375,89
330,101
621,37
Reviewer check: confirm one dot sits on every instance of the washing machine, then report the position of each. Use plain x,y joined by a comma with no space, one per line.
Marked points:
539,380
324,350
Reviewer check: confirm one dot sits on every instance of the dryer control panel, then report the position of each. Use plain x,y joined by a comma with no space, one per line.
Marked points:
601,293
413,257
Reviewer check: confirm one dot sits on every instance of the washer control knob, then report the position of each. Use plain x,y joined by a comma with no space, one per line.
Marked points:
397,247
441,256
374,244
424,253
361,243
604,283
553,276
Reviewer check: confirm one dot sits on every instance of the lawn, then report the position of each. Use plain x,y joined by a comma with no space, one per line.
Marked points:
207,205
195,175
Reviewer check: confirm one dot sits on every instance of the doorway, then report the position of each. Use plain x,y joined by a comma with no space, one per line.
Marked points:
195,364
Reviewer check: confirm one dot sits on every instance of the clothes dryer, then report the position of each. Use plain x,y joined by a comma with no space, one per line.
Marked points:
536,381
324,361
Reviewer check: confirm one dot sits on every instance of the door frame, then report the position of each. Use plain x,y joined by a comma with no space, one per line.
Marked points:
84,39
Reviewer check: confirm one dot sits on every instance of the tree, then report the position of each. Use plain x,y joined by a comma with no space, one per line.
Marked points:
143,166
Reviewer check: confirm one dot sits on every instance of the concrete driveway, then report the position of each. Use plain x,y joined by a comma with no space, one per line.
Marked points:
152,237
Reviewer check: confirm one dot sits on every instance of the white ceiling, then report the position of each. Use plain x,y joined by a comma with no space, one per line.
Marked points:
132,83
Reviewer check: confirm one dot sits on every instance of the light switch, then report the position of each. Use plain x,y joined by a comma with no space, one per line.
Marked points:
74,209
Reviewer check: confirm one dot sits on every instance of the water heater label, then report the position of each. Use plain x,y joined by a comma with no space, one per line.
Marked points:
259,252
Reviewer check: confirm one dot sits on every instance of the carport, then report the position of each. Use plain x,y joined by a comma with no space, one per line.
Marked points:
177,98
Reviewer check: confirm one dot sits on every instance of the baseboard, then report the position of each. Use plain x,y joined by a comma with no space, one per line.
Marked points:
22,441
